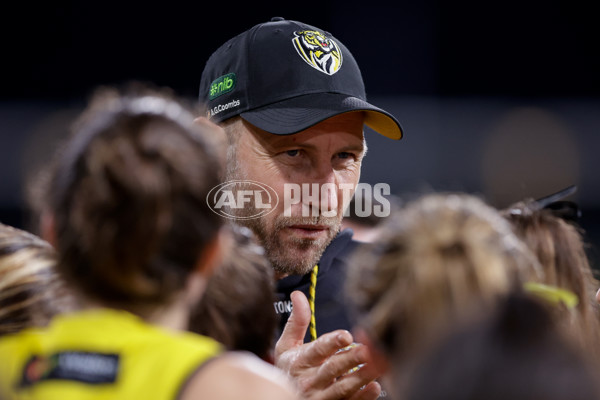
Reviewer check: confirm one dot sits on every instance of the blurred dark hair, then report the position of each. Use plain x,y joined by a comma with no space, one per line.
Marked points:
516,352
237,306
127,193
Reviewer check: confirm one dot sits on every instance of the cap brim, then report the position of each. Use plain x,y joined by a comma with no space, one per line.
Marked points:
299,113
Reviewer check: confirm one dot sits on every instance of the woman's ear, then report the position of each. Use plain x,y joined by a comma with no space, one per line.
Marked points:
214,253
48,227
211,257
378,358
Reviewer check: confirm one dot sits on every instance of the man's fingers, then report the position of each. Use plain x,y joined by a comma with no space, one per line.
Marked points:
369,392
326,346
340,365
327,367
358,384
296,326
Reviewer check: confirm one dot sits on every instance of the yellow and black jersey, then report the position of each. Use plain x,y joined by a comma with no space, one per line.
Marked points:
100,354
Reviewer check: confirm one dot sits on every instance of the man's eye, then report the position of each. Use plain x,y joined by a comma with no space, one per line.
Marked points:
344,155
293,153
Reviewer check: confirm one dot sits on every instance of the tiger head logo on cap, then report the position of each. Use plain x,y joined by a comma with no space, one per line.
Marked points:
319,51
258,75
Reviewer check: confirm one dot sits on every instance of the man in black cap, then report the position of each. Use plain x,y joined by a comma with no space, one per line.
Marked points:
292,102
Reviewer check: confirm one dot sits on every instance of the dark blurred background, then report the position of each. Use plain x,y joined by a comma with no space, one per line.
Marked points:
500,99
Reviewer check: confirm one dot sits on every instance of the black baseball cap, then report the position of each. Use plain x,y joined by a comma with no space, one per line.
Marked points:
285,76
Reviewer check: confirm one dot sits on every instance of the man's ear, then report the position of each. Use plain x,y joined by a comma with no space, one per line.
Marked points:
206,124
215,133
48,227
378,358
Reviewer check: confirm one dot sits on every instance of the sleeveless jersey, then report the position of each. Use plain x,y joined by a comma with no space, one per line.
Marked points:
100,354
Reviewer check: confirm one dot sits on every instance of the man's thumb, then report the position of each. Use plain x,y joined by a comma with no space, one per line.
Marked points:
296,326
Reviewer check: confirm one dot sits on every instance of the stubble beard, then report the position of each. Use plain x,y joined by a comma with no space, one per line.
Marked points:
291,255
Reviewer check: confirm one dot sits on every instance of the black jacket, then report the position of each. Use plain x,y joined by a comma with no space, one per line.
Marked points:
331,312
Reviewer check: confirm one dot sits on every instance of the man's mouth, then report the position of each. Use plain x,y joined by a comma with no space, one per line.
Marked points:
309,231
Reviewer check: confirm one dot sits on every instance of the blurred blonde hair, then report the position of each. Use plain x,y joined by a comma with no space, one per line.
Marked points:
30,291
559,246
441,258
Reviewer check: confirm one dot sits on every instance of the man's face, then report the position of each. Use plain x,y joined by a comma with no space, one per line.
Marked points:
330,153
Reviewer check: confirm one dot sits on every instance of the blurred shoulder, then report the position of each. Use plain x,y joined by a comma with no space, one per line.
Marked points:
235,375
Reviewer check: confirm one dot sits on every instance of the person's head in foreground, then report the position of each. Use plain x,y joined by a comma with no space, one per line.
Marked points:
125,207
558,243
292,101
31,292
237,307
441,259
126,210
516,352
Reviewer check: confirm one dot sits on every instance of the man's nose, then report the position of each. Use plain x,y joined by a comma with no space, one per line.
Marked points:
323,194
